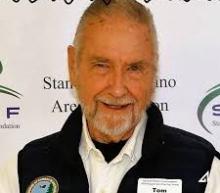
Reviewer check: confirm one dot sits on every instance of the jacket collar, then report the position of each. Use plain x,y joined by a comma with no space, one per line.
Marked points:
154,132
68,139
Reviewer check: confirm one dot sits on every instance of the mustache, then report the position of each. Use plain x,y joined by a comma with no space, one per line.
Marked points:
127,100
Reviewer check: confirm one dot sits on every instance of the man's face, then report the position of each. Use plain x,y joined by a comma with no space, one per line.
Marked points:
114,74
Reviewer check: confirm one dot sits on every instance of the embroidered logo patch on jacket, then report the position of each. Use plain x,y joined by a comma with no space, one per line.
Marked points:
43,184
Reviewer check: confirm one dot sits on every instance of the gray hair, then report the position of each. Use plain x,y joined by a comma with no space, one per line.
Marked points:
128,8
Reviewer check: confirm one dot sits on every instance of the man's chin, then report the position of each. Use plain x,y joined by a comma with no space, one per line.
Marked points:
113,128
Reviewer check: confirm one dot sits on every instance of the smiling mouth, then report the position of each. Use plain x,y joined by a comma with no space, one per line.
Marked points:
116,107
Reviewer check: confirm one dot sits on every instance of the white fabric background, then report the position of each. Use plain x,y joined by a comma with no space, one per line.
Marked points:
33,42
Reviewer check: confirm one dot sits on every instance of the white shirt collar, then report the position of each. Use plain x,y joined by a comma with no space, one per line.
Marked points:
132,148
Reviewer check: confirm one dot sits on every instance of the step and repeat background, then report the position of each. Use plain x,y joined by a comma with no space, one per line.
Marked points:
36,96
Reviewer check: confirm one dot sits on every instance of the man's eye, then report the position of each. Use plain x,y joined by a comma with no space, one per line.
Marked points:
134,67
101,65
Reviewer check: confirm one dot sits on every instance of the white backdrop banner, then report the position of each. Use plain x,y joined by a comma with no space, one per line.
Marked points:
36,96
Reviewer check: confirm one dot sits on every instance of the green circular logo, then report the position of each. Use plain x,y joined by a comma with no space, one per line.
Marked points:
6,90
43,184
1,67
212,93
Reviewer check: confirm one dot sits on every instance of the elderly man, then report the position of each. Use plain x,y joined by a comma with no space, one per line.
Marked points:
115,141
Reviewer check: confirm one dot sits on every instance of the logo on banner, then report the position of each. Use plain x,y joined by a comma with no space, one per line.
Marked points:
209,110
6,90
9,111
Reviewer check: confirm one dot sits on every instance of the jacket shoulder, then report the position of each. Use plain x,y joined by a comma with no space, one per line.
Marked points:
181,138
37,150
34,157
41,143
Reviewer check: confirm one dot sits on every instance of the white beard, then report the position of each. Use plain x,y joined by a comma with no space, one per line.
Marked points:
112,124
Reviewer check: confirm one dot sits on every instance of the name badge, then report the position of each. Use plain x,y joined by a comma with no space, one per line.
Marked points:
158,185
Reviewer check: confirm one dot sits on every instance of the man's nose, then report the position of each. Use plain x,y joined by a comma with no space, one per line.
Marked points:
117,85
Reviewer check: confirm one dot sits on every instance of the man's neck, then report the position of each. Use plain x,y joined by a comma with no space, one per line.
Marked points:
110,150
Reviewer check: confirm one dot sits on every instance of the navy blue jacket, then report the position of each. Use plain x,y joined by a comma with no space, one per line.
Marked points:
167,152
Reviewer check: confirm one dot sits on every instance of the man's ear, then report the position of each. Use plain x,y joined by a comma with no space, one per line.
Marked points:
72,65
